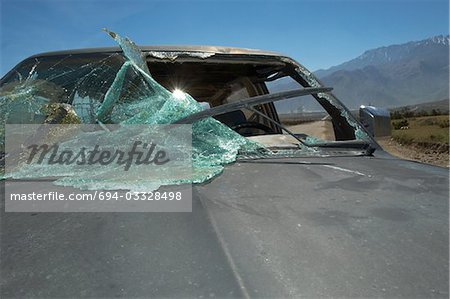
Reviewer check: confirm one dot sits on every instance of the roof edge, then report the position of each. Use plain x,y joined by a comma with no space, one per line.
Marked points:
167,48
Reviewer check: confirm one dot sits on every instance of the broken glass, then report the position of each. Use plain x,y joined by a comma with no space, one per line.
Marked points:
307,76
132,96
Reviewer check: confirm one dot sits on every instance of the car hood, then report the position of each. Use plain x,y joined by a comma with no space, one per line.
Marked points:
341,227
314,227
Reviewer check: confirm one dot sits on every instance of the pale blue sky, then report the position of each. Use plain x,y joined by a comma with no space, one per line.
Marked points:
319,33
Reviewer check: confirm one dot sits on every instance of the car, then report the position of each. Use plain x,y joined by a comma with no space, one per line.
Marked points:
322,211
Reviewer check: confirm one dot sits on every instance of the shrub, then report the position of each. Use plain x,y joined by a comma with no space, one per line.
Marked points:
444,123
399,124
435,112
422,113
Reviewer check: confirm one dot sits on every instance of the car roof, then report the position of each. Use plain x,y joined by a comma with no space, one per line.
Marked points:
170,48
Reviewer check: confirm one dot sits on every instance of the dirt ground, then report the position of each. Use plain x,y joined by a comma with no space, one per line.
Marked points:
322,129
415,152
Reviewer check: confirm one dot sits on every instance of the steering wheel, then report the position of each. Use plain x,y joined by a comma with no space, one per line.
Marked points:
252,125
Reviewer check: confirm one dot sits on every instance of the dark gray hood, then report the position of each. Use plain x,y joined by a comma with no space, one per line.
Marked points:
357,227
312,227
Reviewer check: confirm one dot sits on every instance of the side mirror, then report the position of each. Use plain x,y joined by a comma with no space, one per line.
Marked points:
376,120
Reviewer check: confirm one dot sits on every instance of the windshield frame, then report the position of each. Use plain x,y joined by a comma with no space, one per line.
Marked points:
355,133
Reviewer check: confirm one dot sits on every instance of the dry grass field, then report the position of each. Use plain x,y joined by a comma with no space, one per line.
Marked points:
424,139
426,131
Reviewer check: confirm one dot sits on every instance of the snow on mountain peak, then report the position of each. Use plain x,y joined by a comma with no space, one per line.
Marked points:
441,39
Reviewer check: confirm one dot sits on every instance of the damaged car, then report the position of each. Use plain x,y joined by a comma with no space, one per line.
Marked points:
292,196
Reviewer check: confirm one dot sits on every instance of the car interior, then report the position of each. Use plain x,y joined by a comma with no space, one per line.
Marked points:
218,83
221,81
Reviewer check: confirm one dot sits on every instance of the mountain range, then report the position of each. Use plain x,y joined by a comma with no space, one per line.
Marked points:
392,76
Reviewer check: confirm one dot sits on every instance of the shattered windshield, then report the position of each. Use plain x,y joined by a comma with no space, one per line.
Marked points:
121,88
81,81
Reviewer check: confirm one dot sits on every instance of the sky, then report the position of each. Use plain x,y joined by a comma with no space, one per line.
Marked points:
318,34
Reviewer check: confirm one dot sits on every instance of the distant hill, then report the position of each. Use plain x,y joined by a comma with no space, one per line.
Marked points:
393,76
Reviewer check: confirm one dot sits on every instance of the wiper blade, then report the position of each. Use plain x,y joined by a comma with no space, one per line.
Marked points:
277,124
253,101
349,144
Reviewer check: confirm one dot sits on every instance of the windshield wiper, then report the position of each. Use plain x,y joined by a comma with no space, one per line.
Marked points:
253,101
277,124
348,144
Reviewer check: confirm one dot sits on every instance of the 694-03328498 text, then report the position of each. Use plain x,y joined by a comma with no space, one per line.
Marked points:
99,195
